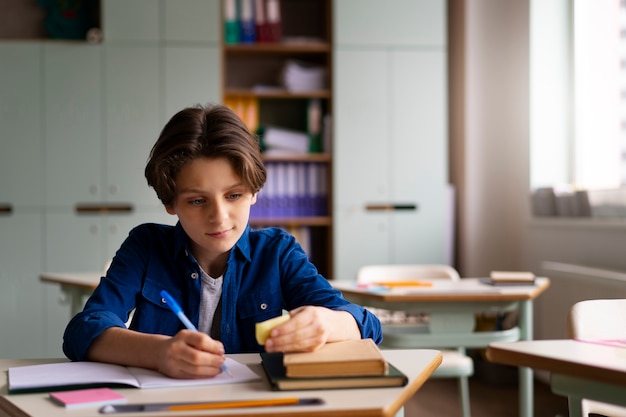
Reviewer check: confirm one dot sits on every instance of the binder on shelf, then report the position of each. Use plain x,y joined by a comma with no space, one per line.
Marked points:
231,22
261,25
291,192
314,125
322,198
274,21
281,206
247,22
313,189
302,191
247,108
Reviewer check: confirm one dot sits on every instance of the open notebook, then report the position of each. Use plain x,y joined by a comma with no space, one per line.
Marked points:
73,375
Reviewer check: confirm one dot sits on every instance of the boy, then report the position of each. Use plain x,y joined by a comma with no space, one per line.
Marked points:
206,169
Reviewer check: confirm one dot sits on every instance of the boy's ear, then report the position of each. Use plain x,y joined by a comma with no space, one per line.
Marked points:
170,210
253,201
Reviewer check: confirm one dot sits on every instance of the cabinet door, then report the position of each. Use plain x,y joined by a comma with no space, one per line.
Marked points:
73,123
361,159
136,20
362,146
74,242
390,23
21,120
192,76
21,297
117,227
419,153
398,156
132,121
192,20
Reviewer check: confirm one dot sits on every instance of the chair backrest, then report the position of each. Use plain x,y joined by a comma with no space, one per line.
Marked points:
597,319
395,272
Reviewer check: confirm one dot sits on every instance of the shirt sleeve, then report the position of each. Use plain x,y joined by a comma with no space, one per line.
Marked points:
307,287
112,300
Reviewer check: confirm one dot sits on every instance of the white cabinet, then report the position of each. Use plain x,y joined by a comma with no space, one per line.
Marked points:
192,76
21,120
136,20
73,123
132,123
192,21
390,135
21,295
85,242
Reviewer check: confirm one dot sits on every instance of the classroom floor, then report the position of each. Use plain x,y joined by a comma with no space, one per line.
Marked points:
439,398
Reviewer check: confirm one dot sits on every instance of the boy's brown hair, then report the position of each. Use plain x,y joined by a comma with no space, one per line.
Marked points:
211,131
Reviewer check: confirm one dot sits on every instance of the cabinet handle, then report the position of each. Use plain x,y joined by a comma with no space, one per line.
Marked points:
6,209
103,208
391,207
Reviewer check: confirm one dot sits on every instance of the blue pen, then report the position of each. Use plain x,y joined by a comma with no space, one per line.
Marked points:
175,307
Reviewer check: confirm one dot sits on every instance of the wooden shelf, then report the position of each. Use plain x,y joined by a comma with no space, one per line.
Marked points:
278,93
280,48
251,73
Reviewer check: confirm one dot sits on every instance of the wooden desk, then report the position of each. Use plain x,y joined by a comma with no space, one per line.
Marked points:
578,369
418,365
75,286
452,306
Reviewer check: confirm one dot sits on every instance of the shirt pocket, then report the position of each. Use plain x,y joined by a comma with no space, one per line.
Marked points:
258,307
152,314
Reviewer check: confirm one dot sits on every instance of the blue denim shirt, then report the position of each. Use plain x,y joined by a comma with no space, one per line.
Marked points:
267,272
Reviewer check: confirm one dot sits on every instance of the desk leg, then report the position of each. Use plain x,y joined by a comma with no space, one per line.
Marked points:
526,392
75,299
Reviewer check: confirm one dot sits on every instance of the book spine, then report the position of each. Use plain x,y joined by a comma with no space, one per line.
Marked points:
247,22
261,21
274,23
231,22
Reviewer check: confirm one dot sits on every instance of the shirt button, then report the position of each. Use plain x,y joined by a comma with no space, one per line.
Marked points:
163,301
194,275
263,306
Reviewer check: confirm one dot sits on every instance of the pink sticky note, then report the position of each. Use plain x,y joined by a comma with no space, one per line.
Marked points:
87,397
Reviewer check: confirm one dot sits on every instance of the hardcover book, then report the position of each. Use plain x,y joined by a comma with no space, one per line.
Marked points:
346,358
279,381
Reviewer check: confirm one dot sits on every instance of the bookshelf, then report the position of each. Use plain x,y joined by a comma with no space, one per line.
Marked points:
256,83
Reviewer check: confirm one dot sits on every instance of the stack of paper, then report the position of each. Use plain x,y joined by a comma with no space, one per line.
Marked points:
300,76
277,139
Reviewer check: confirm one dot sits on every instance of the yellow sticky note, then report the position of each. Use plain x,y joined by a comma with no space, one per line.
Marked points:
263,329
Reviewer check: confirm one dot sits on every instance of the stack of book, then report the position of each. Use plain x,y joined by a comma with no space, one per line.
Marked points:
347,364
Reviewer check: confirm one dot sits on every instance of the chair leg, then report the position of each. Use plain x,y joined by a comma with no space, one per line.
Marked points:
464,394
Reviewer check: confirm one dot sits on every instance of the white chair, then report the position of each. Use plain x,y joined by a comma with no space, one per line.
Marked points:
598,319
455,363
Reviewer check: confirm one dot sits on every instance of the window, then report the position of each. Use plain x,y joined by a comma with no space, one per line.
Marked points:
578,95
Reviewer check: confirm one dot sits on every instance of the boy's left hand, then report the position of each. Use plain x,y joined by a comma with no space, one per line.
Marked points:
310,328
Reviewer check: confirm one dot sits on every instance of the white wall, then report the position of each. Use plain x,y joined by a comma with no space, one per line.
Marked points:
490,141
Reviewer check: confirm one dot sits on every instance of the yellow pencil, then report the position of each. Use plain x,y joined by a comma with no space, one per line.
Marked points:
408,283
234,404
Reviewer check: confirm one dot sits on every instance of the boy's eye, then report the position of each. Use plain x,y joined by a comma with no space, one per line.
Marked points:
196,201
234,196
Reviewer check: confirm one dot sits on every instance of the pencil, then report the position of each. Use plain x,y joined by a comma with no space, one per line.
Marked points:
235,404
409,283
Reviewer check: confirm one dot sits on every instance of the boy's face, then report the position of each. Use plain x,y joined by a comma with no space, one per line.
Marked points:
213,206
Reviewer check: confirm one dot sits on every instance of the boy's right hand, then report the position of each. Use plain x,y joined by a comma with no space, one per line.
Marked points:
191,354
